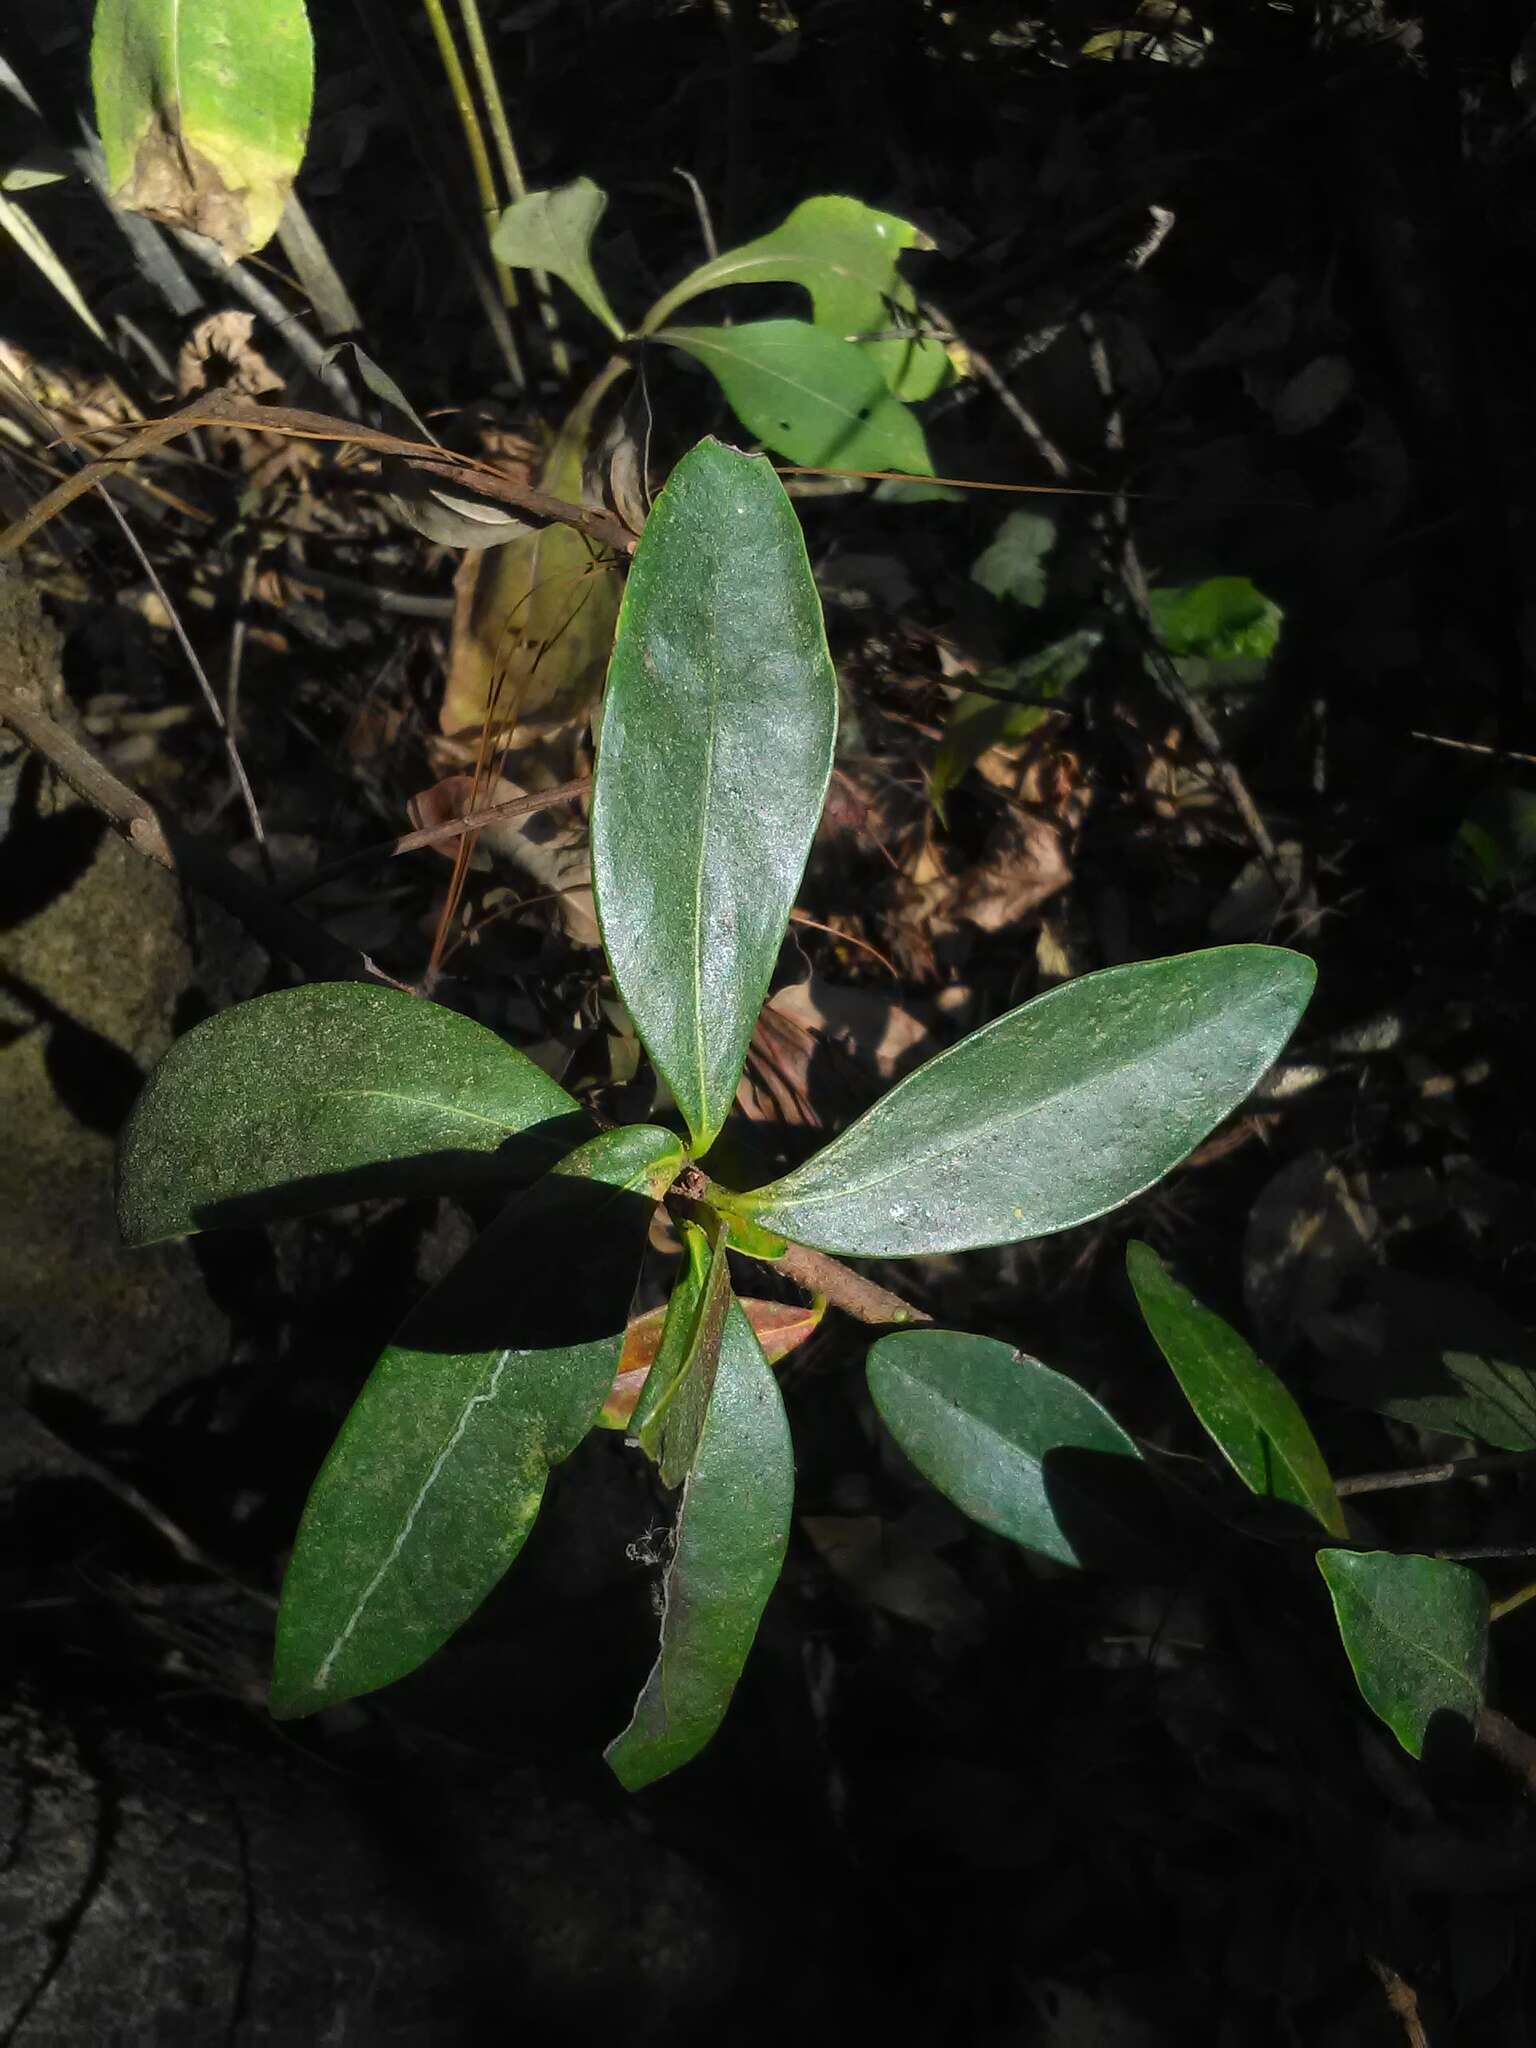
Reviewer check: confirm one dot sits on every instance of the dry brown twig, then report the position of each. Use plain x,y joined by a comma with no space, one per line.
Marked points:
219,409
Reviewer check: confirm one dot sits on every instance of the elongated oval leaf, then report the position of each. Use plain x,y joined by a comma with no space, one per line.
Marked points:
1052,1114
1010,1442
439,1470
808,394
323,1094
688,1399
1415,1630
680,1319
732,1531
844,254
552,231
712,765
1247,1410
203,108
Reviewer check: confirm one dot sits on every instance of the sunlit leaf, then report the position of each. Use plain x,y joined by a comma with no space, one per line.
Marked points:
1017,1447
1225,619
681,1416
808,395
203,108
323,1094
1415,1630
552,231
712,765
1013,565
844,254
1050,1115
1248,1411
435,1480
732,1530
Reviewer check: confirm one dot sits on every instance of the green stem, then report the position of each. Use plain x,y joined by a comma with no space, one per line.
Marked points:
474,137
511,168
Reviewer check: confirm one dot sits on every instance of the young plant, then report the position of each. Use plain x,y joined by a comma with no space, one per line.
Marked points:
715,750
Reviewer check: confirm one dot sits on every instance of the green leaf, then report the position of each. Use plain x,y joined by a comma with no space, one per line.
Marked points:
676,1337
1225,619
979,721
844,254
712,765
203,108
1013,566
1415,1630
324,1094
1440,1357
1014,1445
552,231
809,395
1496,845
732,1531
687,1403
439,1470
1247,1410
1050,1115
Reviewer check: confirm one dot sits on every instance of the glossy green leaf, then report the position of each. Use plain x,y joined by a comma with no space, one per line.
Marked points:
324,1094
1015,1446
687,1401
1227,618
807,394
676,1337
732,1531
1248,1411
844,254
552,231
979,721
1013,566
203,108
1050,1115
439,1470
1415,1630
712,765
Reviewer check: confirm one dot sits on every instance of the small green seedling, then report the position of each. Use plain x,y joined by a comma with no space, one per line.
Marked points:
716,746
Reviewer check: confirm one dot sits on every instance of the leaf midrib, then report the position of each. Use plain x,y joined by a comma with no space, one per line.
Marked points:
1424,1650
782,1197
765,369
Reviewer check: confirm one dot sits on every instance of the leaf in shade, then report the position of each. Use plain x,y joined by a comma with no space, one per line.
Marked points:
732,1531
1017,1447
779,1326
979,721
1438,1356
1050,1115
203,109
552,231
809,395
844,254
439,1470
1247,1410
712,767
542,611
324,1094
1415,1630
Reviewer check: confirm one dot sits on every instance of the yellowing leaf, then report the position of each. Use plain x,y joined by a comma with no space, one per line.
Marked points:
203,108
